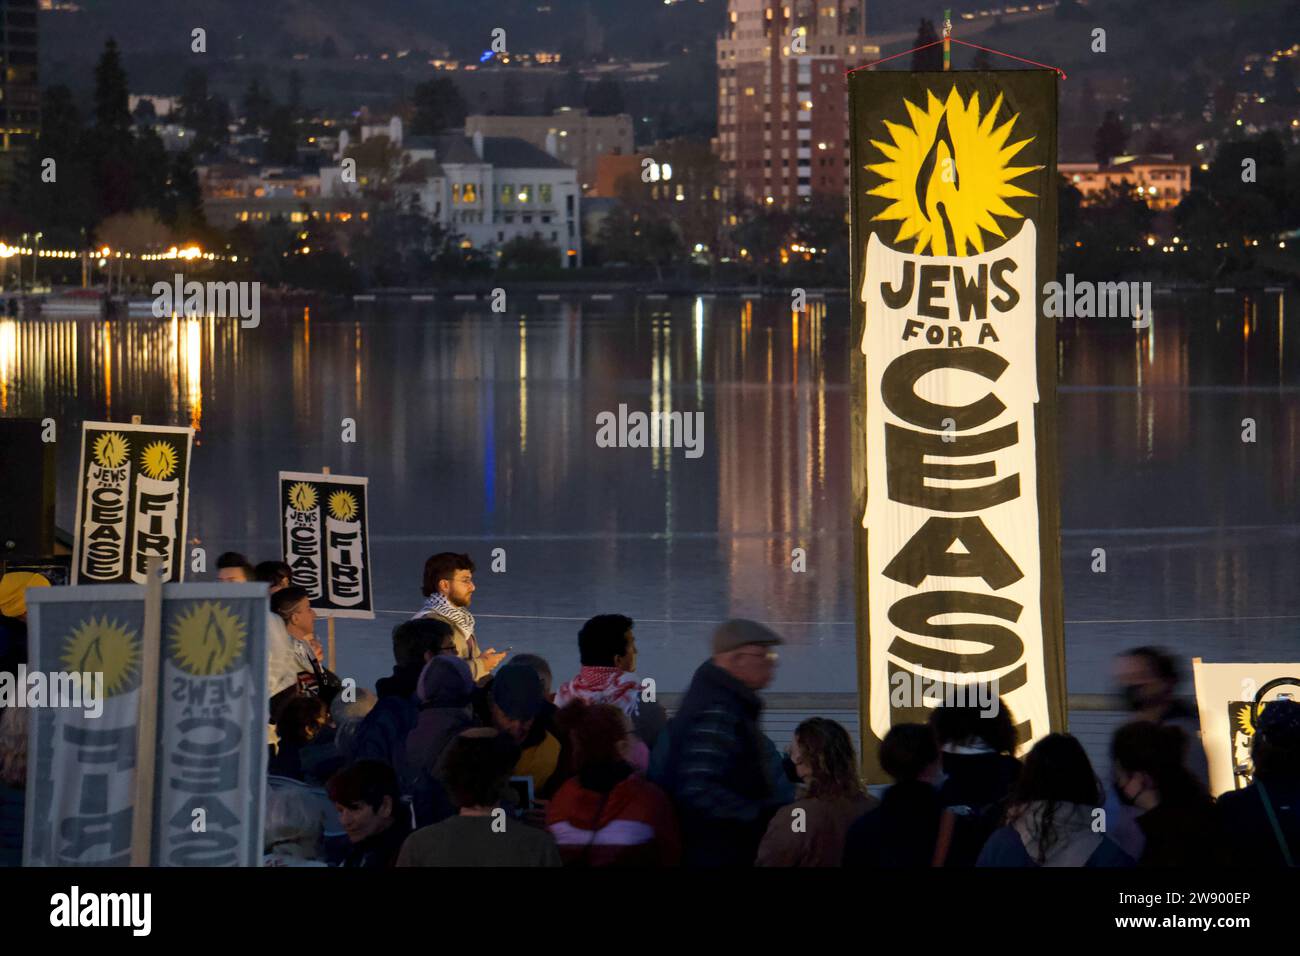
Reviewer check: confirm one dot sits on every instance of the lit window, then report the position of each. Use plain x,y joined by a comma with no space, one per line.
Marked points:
525,194
544,193
507,194
455,193
469,194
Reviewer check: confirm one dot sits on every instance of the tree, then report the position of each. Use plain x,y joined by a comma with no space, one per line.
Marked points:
184,196
378,163
532,253
110,145
281,137
1111,138
511,96
112,98
295,93
573,89
329,50
981,60
438,106
257,104
604,97
930,59
145,114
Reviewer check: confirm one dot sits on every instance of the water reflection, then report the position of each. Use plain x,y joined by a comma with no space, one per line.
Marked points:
477,429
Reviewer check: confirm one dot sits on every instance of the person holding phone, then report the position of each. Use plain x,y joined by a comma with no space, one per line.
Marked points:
448,590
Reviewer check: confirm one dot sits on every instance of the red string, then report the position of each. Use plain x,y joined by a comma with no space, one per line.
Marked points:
926,46
1011,56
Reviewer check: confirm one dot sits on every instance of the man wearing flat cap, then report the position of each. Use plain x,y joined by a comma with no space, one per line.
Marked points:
718,764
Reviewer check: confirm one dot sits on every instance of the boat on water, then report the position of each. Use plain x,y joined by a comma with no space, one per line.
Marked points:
75,302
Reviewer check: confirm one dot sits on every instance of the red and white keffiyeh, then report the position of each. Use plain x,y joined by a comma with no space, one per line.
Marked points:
602,685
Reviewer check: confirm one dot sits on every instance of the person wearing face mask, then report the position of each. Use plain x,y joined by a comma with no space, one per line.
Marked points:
1174,809
1147,678
811,831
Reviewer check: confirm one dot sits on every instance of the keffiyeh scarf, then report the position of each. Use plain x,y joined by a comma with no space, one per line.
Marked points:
438,604
602,685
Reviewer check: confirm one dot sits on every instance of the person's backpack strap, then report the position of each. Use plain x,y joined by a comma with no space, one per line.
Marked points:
1272,820
947,823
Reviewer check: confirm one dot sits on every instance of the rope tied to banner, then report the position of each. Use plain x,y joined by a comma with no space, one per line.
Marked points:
925,46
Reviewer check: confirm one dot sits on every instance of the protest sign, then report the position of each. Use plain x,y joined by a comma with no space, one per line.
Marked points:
325,538
953,389
132,496
210,745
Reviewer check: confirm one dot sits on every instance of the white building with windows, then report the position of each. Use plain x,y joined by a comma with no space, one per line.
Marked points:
491,189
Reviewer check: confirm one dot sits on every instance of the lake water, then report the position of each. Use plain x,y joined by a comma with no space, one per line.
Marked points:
477,431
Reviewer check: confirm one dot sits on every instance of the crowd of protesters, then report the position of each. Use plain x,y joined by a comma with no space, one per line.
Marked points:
463,758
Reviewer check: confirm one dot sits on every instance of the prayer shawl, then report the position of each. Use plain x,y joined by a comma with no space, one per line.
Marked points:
602,685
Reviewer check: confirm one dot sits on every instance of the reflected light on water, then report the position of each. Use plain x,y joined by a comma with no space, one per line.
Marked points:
194,370
523,386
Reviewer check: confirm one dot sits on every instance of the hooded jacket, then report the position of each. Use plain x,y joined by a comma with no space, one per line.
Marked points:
445,690
383,732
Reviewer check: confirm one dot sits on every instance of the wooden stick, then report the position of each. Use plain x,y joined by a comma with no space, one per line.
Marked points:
329,627
146,731
947,40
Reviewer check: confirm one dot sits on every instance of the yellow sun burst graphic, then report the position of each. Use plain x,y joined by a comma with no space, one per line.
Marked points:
343,505
98,644
302,496
207,638
1244,723
158,460
111,449
949,175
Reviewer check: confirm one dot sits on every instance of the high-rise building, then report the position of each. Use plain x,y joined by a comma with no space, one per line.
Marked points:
20,96
783,128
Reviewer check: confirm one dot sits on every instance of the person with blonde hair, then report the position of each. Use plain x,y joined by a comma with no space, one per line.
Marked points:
294,828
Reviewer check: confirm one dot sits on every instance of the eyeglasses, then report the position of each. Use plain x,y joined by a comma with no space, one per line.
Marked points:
772,656
446,647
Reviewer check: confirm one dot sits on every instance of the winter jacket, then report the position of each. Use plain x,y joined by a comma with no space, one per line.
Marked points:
383,732
901,832
1179,834
823,826
1245,836
443,713
975,791
717,773
610,816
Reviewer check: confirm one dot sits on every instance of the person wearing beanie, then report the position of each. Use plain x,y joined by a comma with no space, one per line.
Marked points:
513,702
1259,825
13,616
718,769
